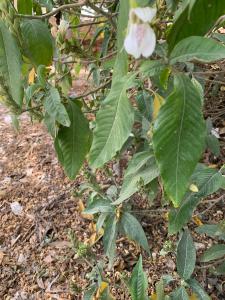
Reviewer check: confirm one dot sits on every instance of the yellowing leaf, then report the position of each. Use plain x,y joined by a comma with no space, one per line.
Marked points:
193,188
104,285
157,103
31,76
197,221
81,207
166,216
193,297
153,296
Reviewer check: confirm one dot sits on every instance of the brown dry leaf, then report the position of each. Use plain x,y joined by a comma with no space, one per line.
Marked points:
1,257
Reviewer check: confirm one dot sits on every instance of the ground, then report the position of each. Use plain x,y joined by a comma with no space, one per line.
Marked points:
36,257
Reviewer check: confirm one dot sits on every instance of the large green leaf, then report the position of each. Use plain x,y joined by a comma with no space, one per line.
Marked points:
197,289
197,19
74,141
142,167
133,229
186,256
113,124
197,48
54,107
208,181
179,135
25,7
109,238
38,43
10,64
138,283
214,252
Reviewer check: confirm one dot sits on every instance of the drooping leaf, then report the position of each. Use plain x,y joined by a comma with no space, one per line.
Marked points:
38,43
113,124
178,138
208,181
133,229
10,64
109,238
138,283
54,107
197,289
74,141
186,256
99,205
141,167
197,48
25,7
197,18
214,252
180,294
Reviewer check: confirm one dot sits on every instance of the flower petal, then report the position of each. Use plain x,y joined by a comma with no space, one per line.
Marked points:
145,14
131,42
148,43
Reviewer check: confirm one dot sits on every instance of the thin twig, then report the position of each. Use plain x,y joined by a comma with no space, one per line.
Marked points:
92,91
54,12
211,264
102,12
88,24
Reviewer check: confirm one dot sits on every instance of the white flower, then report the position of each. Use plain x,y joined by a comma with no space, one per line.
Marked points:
141,39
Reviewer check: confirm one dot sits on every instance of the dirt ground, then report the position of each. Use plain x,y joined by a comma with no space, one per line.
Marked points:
36,258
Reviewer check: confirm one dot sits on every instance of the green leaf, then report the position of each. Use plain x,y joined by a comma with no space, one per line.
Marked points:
208,181
180,294
160,286
99,205
214,252
197,19
10,64
138,282
197,48
25,7
151,68
74,141
220,269
109,238
186,256
113,124
38,43
121,64
89,294
197,289
142,167
179,140
212,230
54,107
133,229
213,144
